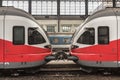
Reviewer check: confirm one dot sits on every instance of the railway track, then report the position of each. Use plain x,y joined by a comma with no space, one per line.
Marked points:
60,67
61,72
56,72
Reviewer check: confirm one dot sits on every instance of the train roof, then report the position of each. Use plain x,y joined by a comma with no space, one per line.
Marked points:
15,12
105,12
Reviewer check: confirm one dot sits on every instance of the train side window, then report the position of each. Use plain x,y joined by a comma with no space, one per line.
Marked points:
34,37
55,40
103,35
88,37
66,40
18,35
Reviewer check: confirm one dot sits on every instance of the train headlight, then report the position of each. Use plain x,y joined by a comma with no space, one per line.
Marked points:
48,46
74,46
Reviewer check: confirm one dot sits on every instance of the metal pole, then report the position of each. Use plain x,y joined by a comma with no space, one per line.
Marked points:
86,7
114,3
0,3
58,14
30,6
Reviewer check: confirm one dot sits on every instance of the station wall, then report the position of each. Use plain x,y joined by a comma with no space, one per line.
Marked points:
66,26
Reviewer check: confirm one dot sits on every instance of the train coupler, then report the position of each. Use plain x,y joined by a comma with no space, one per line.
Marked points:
61,55
49,58
74,58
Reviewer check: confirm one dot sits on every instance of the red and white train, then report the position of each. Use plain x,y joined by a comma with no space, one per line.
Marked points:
23,43
96,43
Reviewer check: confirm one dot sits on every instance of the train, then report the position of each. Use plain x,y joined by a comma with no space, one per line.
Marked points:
96,42
60,43
23,43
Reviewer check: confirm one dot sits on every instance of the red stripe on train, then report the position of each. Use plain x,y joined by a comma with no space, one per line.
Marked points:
18,53
109,52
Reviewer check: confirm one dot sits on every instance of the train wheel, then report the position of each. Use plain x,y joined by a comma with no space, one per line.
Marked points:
89,70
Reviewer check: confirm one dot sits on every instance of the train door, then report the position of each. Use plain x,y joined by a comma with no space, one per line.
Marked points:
118,18
1,41
107,43
15,40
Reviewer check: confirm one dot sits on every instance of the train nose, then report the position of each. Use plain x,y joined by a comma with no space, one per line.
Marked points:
74,46
48,46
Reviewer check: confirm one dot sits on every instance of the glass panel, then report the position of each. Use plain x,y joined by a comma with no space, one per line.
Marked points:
50,28
34,37
88,37
66,40
95,5
72,7
66,28
18,35
4,3
21,4
44,7
103,35
117,3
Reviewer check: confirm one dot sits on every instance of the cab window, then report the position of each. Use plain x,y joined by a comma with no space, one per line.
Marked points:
88,37
34,37
103,35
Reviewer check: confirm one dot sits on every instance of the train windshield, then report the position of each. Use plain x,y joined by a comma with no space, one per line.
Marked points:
60,40
88,37
35,37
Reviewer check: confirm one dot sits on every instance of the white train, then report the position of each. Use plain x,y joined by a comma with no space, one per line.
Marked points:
23,43
97,41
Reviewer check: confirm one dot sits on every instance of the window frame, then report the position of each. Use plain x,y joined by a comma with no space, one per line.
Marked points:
66,28
23,35
50,28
